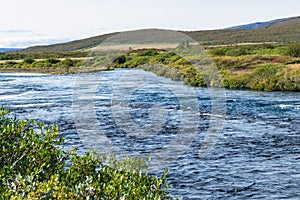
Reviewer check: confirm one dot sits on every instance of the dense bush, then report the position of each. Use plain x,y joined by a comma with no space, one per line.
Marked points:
232,50
164,57
121,59
293,50
69,62
265,77
52,61
3,56
136,61
33,166
147,52
28,60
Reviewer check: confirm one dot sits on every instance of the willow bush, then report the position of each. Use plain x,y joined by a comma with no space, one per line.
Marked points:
33,166
293,50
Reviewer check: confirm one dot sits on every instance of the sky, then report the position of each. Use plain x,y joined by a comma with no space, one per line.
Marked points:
39,22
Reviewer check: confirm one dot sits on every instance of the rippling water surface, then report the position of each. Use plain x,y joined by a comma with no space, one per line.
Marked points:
257,154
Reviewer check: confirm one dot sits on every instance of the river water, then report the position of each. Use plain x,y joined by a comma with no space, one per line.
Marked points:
255,153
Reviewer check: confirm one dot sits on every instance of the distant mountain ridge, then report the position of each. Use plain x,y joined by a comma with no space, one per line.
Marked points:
280,31
257,24
9,49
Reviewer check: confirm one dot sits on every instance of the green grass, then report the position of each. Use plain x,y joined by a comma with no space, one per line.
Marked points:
256,49
50,65
264,67
19,55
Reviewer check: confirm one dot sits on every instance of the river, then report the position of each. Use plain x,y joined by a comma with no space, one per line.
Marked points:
256,153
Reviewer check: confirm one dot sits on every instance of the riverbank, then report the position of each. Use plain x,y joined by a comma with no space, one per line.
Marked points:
262,67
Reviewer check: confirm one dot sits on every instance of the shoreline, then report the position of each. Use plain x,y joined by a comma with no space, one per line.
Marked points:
81,71
259,67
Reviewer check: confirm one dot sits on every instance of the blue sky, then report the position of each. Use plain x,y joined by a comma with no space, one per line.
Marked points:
32,22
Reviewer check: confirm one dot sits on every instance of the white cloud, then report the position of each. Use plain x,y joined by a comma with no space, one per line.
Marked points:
25,41
60,19
15,31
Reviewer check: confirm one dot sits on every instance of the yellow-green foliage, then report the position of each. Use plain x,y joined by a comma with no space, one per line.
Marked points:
266,67
49,65
248,67
33,166
253,49
265,77
293,50
18,55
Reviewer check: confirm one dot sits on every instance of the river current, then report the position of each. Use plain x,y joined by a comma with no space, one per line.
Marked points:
255,153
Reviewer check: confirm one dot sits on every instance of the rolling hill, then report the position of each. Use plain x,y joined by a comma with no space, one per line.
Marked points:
287,31
280,31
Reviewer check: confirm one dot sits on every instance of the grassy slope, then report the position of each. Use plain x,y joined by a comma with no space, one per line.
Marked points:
69,46
287,31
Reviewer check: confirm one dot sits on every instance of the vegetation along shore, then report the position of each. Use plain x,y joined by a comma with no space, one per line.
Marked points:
264,67
264,58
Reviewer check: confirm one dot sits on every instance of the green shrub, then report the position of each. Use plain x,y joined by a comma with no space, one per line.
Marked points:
293,50
234,82
68,62
220,51
52,61
121,59
266,70
28,60
148,52
33,166
2,56
253,49
137,61
165,58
